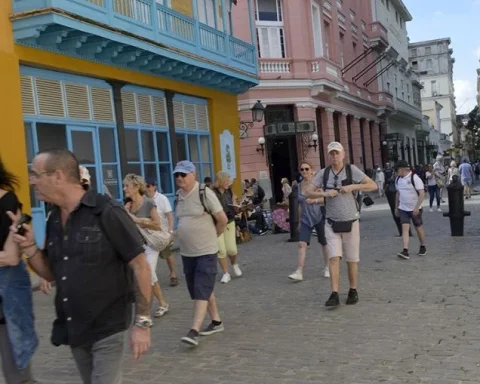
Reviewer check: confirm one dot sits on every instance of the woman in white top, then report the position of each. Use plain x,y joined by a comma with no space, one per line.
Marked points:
433,189
380,180
286,189
440,174
452,171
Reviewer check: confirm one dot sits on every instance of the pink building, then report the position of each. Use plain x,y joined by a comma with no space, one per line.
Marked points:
318,65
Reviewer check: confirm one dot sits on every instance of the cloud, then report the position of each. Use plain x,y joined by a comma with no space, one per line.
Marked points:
466,95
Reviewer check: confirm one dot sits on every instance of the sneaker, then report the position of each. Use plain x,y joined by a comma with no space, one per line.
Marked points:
352,297
162,311
403,255
439,210
296,276
264,232
422,251
226,278
431,209
211,329
326,272
333,300
236,270
191,338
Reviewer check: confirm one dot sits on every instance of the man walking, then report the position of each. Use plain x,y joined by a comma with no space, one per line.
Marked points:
408,206
466,174
167,223
91,248
338,184
201,220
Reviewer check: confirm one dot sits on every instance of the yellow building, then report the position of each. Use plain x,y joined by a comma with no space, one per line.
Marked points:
127,85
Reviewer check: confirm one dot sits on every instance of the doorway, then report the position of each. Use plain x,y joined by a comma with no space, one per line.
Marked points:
283,163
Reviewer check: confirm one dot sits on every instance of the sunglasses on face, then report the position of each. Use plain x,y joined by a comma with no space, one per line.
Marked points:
180,174
304,169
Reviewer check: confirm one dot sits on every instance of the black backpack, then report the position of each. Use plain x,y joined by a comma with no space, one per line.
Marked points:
261,193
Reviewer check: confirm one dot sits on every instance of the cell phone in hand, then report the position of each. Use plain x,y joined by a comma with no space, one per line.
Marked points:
24,219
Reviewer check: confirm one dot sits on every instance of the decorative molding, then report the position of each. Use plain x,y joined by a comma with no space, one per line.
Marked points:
330,110
357,117
345,114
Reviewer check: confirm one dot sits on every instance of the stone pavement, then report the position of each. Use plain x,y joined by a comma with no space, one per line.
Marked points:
416,322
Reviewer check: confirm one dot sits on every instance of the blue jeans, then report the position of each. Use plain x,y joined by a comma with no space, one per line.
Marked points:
434,191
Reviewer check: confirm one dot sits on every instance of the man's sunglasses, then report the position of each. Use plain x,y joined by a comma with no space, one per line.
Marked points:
304,169
335,179
180,174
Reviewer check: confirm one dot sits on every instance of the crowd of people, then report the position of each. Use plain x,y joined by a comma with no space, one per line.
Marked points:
102,255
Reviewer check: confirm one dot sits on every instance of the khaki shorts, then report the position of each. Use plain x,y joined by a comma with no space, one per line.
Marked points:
344,244
227,242
166,253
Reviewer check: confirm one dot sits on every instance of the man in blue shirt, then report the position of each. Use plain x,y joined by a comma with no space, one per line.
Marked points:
466,174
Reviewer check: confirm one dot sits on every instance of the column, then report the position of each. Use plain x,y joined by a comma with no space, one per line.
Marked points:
368,144
356,142
377,145
342,121
328,132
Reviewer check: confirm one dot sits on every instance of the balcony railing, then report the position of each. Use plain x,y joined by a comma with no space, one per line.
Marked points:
408,109
275,65
150,20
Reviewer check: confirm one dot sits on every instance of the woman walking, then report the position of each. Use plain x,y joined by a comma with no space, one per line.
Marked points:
452,171
440,174
227,241
311,217
18,339
143,212
433,190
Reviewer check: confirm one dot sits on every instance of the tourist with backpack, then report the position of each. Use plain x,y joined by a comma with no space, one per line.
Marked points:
258,192
408,206
338,184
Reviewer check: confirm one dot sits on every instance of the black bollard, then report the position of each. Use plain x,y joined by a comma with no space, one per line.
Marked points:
293,213
456,211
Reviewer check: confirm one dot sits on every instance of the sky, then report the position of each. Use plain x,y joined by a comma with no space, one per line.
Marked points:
459,20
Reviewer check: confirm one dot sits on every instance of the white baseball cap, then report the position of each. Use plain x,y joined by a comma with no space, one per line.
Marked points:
84,174
335,146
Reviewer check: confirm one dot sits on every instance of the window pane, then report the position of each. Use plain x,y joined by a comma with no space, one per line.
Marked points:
111,184
132,145
267,10
29,142
51,136
82,147
148,146
166,179
205,148
182,151
162,146
207,170
107,145
193,148
133,168
150,172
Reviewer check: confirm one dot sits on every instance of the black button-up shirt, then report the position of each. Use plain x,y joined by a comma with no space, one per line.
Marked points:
89,258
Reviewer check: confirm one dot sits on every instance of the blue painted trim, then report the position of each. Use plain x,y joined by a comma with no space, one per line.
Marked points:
190,99
54,75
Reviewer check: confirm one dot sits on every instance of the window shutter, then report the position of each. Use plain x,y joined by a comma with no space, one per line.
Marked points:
189,113
144,106
28,100
263,41
128,105
160,111
178,114
102,104
202,117
50,100
274,43
78,106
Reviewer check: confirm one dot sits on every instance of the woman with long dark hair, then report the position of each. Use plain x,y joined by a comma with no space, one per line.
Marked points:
18,339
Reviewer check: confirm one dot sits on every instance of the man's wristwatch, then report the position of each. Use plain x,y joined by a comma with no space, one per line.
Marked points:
143,322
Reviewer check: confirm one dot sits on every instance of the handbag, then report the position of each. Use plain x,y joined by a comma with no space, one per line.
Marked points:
368,201
341,226
157,240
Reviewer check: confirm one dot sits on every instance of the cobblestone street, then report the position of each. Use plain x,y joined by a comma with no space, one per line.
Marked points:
416,322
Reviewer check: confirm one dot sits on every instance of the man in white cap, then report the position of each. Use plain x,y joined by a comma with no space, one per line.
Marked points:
201,220
338,184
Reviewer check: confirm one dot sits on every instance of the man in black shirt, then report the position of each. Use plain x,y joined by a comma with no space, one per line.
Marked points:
91,249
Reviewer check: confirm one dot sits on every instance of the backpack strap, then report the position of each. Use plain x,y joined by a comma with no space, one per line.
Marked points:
203,196
413,183
348,173
326,174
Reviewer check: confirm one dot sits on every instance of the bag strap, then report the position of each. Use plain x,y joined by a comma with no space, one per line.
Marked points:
412,176
326,173
348,173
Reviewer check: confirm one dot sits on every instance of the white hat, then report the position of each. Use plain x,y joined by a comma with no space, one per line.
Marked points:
335,146
84,174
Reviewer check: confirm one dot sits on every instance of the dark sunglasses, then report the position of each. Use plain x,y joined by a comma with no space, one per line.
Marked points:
180,174
335,179
304,169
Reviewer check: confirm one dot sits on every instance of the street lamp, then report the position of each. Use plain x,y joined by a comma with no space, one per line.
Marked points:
314,139
261,143
258,111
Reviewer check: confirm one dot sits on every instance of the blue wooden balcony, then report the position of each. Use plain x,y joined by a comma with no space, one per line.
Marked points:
142,35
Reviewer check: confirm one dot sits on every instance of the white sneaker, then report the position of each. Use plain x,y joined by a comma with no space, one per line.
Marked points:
296,276
326,272
162,311
439,210
431,209
236,270
226,278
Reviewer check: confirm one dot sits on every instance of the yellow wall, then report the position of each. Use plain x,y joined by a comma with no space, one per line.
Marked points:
12,152
183,6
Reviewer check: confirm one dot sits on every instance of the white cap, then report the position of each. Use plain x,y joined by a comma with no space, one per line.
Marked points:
335,146
84,174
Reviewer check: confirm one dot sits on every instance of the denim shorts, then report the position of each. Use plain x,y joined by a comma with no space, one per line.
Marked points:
200,275
306,232
466,182
406,216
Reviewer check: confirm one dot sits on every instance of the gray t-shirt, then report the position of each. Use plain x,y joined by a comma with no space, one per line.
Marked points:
146,209
344,206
